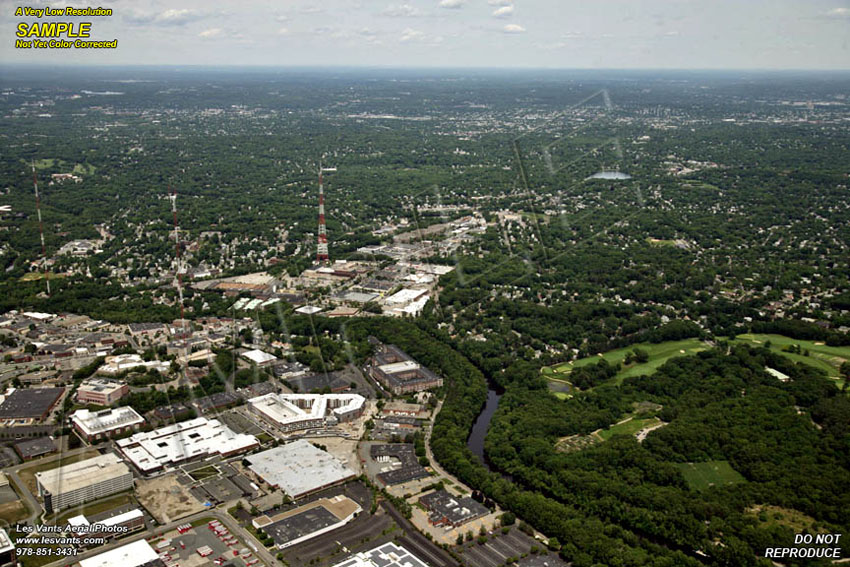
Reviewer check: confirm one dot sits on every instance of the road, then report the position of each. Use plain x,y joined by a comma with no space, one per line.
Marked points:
434,464
26,495
418,543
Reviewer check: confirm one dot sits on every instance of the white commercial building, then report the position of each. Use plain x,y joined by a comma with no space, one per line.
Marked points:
94,425
259,357
133,554
386,555
406,296
154,450
84,481
293,412
123,362
299,468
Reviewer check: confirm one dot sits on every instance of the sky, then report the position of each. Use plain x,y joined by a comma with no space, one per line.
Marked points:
610,34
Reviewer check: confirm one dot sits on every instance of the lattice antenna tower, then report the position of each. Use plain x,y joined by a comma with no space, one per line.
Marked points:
322,256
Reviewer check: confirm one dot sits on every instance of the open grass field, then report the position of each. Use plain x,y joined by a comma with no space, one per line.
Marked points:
701,476
658,355
827,358
35,276
27,474
629,427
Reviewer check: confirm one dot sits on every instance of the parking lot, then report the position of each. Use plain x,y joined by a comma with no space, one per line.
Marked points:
183,549
499,547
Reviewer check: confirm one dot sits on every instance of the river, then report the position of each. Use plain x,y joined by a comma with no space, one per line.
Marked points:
479,429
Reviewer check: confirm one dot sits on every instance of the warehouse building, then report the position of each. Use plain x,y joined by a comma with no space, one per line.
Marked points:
101,392
136,554
446,509
7,549
90,531
386,555
34,448
84,481
97,425
24,407
174,444
294,412
399,373
299,468
311,520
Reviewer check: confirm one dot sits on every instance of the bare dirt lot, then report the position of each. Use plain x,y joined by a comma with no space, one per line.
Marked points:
166,499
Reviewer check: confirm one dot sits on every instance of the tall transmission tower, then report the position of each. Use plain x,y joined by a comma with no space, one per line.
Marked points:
178,279
40,227
322,237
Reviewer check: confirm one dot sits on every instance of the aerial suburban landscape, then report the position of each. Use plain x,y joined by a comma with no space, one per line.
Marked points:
413,317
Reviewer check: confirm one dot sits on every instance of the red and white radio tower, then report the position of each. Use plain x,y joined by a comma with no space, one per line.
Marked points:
40,226
322,238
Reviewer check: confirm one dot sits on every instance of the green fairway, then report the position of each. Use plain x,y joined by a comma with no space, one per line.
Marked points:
629,427
658,354
827,358
701,476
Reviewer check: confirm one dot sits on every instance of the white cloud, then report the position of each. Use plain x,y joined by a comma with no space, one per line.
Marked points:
452,4
401,11
283,31
513,28
839,13
167,18
410,34
210,33
499,2
503,12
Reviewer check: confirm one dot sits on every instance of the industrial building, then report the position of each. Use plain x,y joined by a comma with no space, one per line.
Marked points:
7,549
34,448
446,509
387,555
131,521
408,467
259,357
23,407
299,468
399,373
101,392
294,412
174,444
136,554
74,484
308,521
97,425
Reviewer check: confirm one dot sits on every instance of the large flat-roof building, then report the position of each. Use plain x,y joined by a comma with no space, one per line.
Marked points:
299,468
446,509
399,373
136,554
97,425
293,412
24,406
101,392
74,484
167,446
7,549
34,448
308,521
386,555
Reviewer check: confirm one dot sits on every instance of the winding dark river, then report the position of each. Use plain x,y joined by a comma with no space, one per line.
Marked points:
479,429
